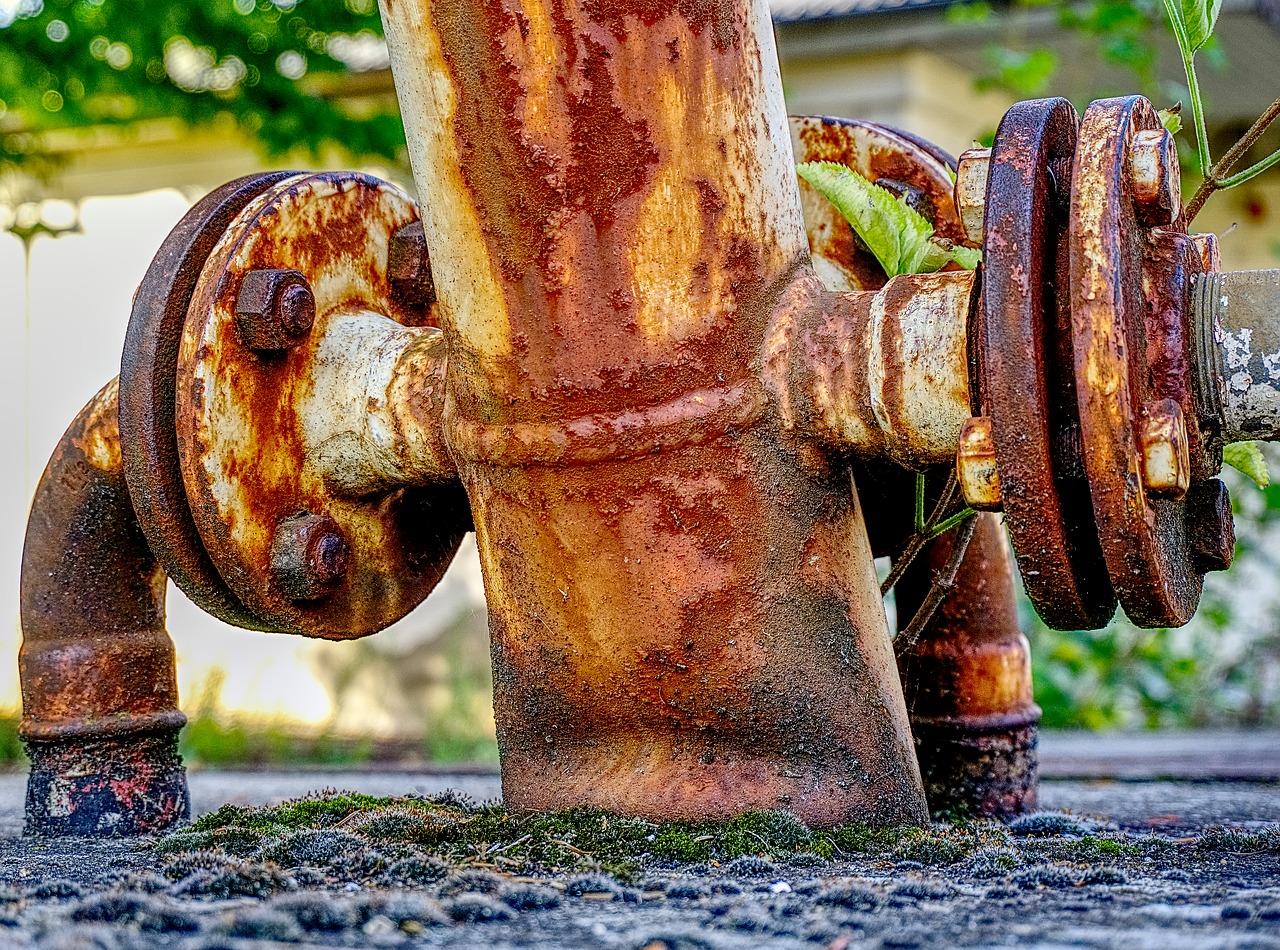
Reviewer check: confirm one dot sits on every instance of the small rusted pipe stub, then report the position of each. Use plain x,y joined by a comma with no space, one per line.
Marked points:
878,374
612,228
372,416
100,711
1239,353
968,681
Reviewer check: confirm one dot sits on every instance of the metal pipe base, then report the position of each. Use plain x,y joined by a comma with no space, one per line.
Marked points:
981,770
122,785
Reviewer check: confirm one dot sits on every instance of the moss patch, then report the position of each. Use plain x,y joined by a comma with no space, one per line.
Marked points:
413,840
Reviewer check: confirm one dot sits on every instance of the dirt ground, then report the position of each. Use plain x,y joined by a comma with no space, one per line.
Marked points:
1146,861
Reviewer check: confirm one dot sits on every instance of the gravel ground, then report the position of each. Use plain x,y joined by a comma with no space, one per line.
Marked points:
1160,882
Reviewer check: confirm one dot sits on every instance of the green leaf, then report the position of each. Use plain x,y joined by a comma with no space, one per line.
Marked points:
883,222
900,237
1248,458
966,257
1171,119
1199,17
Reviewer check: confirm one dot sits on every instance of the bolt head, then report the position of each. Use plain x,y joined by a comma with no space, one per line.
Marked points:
275,309
971,191
1210,526
1162,442
1206,246
309,556
409,267
976,464
1154,177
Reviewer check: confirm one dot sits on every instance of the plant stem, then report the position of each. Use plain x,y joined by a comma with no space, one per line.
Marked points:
942,583
1215,179
1193,85
926,529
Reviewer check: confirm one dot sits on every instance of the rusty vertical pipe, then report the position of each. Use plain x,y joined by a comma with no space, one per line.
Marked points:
100,716
968,682
685,618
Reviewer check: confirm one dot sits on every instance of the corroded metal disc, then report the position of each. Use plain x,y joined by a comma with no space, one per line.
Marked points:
148,375
1026,369
1129,288
239,423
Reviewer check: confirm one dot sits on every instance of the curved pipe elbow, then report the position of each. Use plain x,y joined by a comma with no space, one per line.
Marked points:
99,690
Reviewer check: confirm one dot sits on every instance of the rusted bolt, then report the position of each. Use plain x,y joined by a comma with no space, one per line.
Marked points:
1162,440
971,190
409,267
309,556
1210,526
1210,253
976,465
1154,178
274,309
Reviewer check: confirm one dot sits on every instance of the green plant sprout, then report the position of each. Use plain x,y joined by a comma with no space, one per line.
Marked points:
1193,23
901,238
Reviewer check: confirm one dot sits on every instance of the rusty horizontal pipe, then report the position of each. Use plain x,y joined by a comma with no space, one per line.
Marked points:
372,415
1238,352
881,374
100,715
684,616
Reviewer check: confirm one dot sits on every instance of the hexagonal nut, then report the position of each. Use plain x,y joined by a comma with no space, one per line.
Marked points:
971,191
409,267
1164,449
1210,526
275,309
976,465
309,556
1154,177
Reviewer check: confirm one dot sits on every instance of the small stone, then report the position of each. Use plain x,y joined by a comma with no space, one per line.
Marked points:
530,896
476,909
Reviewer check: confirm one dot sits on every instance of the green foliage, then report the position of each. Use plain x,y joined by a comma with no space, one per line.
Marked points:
1025,72
1171,119
370,837
1248,458
1237,841
459,832
268,66
1196,19
901,238
11,752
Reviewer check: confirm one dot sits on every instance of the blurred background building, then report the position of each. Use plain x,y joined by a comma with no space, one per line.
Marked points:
80,229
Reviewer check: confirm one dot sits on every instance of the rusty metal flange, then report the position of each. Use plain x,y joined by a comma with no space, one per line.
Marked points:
302,556
1131,269
148,375
1026,370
